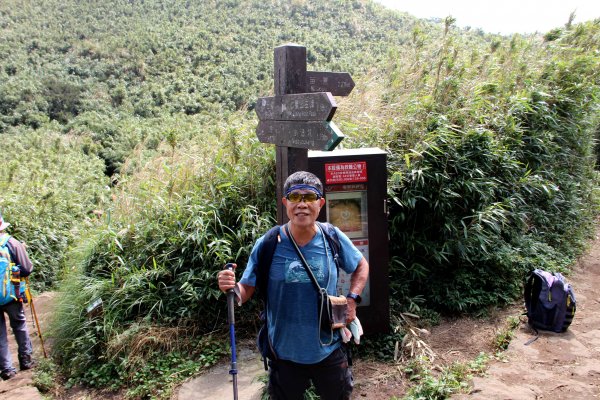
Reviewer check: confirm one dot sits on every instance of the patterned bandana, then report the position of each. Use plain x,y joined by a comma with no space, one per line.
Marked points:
303,186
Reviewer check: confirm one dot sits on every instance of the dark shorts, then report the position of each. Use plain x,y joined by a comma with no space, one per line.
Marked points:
331,377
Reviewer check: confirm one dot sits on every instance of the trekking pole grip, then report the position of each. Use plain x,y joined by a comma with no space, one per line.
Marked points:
230,313
230,297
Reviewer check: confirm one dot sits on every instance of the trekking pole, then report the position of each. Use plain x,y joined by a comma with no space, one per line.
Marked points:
34,314
231,319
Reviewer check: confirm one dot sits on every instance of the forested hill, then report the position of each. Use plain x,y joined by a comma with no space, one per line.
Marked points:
96,80
133,172
75,62
176,56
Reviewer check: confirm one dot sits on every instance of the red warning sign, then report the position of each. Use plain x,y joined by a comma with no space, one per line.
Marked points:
346,172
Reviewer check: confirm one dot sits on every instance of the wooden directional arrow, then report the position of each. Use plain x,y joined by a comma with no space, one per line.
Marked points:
312,135
338,83
297,107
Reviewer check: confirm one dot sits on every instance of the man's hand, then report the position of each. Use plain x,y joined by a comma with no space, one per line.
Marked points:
351,310
358,280
226,279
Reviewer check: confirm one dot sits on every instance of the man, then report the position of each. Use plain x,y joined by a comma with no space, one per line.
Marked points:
14,310
305,352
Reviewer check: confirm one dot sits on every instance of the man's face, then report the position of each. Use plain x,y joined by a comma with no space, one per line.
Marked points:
302,213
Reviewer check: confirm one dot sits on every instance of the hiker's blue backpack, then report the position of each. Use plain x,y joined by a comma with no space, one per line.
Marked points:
265,256
7,293
549,300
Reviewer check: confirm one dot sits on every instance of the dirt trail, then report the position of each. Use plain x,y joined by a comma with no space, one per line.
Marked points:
21,386
555,366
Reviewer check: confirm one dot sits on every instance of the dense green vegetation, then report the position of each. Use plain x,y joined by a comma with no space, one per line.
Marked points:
120,76
50,190
502,180
135,172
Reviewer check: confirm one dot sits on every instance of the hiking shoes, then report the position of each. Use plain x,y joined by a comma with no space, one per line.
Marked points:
26,362
6,375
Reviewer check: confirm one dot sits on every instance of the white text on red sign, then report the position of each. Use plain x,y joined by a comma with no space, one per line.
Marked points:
346,172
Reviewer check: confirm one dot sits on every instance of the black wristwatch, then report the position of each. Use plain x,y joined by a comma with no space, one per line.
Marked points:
355,297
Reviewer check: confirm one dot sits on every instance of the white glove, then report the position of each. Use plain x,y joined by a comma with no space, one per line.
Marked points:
346,334
356,329
352,330
238,295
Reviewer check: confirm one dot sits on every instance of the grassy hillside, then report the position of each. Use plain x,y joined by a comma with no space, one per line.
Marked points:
490,142
122,77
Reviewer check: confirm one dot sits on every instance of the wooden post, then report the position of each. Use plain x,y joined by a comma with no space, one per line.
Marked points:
298,118
290,78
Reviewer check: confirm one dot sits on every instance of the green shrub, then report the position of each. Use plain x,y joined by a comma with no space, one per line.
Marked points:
154,263
481,200
45,376
50,190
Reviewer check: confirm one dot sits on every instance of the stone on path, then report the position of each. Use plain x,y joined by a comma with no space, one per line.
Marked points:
216,383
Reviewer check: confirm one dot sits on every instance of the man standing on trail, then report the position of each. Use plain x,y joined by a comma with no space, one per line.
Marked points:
14,309
304,352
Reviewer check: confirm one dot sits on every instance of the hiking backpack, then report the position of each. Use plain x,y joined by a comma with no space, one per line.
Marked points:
7,270
266,252
265,257
549,300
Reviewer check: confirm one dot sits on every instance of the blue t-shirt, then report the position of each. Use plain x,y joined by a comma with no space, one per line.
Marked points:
292,297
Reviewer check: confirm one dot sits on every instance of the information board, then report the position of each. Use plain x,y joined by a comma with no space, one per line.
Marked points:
355,190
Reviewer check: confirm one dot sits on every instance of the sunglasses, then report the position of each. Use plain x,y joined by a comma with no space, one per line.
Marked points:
296,197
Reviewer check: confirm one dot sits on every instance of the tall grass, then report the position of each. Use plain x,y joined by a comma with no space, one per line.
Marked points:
50,189
154,261
502,181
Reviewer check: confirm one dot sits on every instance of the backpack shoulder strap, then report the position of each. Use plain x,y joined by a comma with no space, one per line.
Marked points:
334,242
267,249
530,287
265,256
4,240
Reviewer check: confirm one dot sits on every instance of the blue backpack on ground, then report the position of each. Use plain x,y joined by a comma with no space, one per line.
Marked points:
10,274
549,300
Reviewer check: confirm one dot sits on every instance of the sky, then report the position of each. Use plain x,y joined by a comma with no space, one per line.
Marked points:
502,16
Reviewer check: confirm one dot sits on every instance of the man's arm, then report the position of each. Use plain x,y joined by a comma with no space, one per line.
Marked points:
20,257
358,280
244,292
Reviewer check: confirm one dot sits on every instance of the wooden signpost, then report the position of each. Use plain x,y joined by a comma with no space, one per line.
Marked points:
338,83
297,107
312,135
298,117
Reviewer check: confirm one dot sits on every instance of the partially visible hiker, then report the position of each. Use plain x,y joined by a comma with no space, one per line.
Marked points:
304,351
13,254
